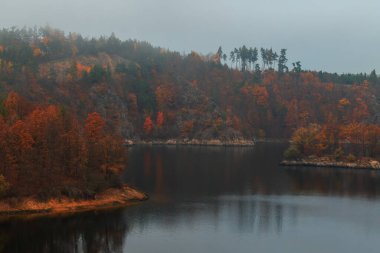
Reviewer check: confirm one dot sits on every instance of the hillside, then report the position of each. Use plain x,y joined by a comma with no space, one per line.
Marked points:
147,92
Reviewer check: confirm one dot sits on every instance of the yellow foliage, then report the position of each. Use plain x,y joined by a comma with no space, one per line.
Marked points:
310,140
344,102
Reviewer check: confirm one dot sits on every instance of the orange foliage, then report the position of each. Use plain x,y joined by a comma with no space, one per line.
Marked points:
160,119
360,111
23,139
12,101
270,77
42,150
355,138
94,126
310,140
261,95
81,69
37,52
344,102
165,96
16,106
309,78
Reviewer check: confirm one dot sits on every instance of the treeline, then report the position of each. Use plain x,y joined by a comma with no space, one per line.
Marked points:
27,47
247,59
341,142
46,152
348,78
152,93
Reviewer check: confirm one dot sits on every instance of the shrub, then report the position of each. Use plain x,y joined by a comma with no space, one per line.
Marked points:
351,158
292,153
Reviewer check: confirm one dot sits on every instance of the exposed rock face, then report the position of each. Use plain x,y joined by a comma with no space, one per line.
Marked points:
212,142
326,162
375,164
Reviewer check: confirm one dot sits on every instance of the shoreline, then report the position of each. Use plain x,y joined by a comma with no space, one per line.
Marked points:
111,198
193,142
320,163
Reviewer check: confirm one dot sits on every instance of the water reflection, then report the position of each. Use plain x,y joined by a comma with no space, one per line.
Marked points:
216,198
338,182
241,215
90,232
199,171
212,171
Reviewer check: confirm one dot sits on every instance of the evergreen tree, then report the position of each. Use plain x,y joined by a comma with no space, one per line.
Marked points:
373,77
257,76
220,52
224,57
297,67
232,58
253,56
282,62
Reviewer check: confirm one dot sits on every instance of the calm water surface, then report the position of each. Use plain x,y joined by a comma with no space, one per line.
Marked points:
215,199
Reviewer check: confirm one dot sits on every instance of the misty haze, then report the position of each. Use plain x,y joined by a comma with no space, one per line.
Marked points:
189,126
337,36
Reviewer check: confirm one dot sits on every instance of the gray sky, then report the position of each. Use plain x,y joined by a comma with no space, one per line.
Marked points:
331,35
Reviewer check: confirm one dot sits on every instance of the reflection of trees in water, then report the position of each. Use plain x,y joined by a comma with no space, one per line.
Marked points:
245,215
193,187
335,181
107,232
102,232
171,171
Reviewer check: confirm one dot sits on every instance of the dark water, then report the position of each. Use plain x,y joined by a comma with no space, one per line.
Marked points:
208,199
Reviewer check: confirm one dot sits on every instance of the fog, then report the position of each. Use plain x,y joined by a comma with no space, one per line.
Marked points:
339,35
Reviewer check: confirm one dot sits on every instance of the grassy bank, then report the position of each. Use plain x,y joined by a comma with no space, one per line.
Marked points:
115,197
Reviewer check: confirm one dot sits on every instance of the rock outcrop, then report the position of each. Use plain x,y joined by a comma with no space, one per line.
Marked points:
324,162
211,142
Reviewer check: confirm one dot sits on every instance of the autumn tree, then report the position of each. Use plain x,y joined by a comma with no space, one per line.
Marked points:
94,127
309,140
160,119
148,125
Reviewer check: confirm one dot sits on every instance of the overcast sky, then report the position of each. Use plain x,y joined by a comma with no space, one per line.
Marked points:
331,35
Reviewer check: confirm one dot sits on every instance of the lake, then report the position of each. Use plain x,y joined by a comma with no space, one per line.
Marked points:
218,199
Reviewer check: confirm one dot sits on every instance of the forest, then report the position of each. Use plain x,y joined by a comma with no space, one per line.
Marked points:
46,152
67,102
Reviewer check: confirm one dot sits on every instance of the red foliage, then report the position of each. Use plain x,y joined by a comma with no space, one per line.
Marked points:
160,119
148,125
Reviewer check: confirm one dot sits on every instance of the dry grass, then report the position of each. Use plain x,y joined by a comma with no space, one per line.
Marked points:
110,198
